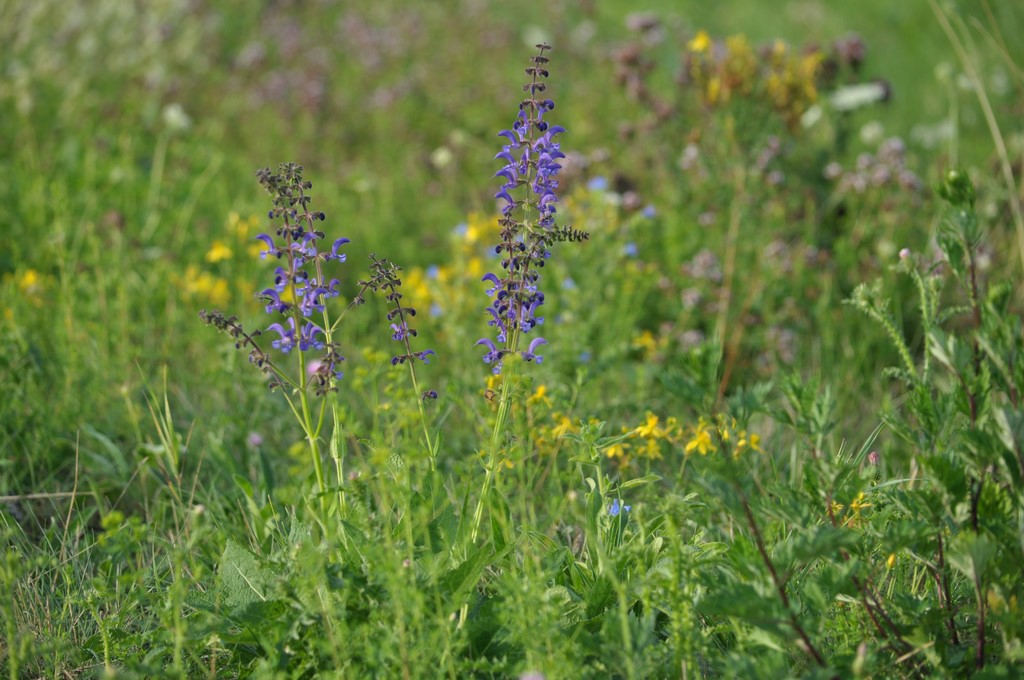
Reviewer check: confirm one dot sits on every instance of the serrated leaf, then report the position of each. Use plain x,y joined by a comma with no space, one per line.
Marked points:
243,580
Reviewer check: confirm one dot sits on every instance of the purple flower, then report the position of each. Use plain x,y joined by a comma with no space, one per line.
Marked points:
399,331
530,355
271,248
493,354
308,337
287,340
334,254
617,508
273,301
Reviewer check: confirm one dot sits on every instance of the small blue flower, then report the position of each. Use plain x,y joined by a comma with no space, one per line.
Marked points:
308,337
273,301
287,339
630,249
334,254
650,212
271,248
616,508
530,354
599,183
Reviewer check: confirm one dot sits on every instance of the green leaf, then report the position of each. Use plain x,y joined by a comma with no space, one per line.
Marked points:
444,529
242,578
459,581
970,553
598,597
639,481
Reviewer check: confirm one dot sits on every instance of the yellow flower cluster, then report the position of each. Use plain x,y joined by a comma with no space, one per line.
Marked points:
723,433
649,344
851,516
454,286
646,440
202,285
777,77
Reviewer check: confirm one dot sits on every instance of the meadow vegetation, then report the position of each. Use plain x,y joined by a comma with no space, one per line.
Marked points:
478,340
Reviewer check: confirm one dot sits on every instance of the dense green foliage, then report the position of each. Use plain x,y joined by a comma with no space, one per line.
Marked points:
777,430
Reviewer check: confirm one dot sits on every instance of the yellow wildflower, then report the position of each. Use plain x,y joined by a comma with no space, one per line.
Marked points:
30,282
619,451
218,251
858,504
890,562
539,396
700,42
651,450
564,426
649,343
31,285
241,227
752,442
650,428
714,90
701,441
205,285
415,285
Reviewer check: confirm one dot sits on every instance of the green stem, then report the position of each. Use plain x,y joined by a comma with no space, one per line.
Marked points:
431,451
504,408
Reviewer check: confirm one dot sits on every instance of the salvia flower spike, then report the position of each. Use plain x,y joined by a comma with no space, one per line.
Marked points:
527,224
300,289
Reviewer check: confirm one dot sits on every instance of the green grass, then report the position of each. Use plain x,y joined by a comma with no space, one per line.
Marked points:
160,513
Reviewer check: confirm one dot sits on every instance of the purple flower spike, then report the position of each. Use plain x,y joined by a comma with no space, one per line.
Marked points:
529,198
